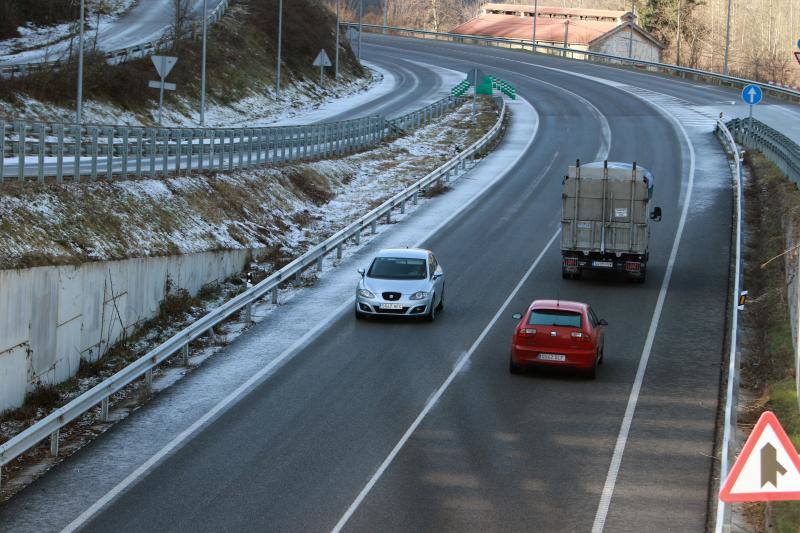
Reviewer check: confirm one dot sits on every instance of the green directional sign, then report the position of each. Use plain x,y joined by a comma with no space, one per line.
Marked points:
486,85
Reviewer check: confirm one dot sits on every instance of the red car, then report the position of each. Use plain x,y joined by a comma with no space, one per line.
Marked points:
558,333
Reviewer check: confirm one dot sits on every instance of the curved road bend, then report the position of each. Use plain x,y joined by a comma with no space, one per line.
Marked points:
497,452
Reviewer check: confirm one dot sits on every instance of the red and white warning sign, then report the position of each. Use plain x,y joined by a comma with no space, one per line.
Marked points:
767,469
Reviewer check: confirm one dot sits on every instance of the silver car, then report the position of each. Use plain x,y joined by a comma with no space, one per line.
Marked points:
405,281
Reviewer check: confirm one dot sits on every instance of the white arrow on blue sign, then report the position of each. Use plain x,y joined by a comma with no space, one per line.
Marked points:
752,94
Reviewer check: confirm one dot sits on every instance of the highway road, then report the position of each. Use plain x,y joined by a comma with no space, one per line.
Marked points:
335,438
147,21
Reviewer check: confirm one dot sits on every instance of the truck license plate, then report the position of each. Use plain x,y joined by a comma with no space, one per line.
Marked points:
603,264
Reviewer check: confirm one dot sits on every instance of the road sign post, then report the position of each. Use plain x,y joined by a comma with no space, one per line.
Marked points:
163,66
322,61
751,95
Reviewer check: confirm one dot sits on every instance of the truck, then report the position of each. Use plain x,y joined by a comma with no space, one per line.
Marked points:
604,219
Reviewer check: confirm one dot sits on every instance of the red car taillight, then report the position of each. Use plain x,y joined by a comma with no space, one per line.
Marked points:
633,266
580,336
527,331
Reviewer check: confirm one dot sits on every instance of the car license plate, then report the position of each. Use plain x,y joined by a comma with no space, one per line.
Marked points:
603,264
552,357
391,306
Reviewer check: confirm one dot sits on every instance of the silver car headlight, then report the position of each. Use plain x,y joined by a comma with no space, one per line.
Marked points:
364,293
419,295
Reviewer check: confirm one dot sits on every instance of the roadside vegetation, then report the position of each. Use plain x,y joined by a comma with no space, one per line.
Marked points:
241,62
772,211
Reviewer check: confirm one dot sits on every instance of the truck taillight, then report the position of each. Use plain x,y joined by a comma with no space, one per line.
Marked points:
580,336
633,266
570,261
527,331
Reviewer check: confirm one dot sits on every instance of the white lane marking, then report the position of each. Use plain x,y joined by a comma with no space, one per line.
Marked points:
625,428
438,394
290,352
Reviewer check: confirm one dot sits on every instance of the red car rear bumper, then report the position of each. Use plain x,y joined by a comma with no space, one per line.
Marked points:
529,355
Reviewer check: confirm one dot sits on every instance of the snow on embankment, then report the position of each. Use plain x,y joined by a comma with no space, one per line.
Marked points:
283,208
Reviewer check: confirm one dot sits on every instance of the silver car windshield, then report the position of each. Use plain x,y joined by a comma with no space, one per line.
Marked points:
398,268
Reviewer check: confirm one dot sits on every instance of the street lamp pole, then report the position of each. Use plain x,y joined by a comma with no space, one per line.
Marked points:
535,16
385,15
203,67
630,40
336,68
360,17
727,39
80,70
280,40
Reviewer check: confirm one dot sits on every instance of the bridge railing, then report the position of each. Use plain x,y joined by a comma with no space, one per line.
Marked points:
36,151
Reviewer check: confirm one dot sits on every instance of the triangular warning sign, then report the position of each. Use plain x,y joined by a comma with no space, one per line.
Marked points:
768,467
797,56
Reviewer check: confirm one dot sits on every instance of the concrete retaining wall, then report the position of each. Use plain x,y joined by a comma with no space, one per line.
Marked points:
52,317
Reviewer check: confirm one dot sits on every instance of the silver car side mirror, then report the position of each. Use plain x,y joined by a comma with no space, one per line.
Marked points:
516,316
362,272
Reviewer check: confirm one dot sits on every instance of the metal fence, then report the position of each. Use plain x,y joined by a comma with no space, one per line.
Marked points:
652,66
143,367
779,148
38,151
119,55
727,449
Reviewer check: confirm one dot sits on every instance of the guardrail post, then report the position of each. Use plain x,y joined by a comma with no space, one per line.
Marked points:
248,313
274,293
21,131
94,150
415,198
403,207
389,217
151,133
339,251
2,157
109,153
125,147
241,147
185,354
54,443
148,381
358,236
104,409
40,165
374,227
319,263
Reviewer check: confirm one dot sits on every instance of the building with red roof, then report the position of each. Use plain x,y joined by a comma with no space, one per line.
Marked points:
596,30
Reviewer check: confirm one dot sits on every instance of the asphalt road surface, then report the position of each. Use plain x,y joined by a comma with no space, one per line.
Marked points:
147,21
496,452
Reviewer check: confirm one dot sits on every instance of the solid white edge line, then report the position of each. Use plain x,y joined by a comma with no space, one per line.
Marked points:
624,431
285,355
438,394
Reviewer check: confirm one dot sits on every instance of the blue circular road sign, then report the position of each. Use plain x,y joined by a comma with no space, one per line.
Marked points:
752,94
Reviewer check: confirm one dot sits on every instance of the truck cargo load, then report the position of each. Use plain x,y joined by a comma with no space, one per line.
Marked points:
605,218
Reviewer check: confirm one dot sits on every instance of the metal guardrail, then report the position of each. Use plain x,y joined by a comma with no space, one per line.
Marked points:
574,53
38,150
143,367
118,55
728,446
779,148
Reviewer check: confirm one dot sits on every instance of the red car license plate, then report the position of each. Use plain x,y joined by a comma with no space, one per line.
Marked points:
552,357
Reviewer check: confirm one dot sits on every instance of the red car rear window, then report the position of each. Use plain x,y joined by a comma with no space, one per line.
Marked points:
555,317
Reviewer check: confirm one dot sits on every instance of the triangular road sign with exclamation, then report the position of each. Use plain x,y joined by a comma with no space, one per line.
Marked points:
767,469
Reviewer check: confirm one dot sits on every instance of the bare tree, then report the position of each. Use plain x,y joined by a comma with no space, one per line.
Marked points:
180,20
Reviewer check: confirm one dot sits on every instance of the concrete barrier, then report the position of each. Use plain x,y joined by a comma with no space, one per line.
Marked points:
51,318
